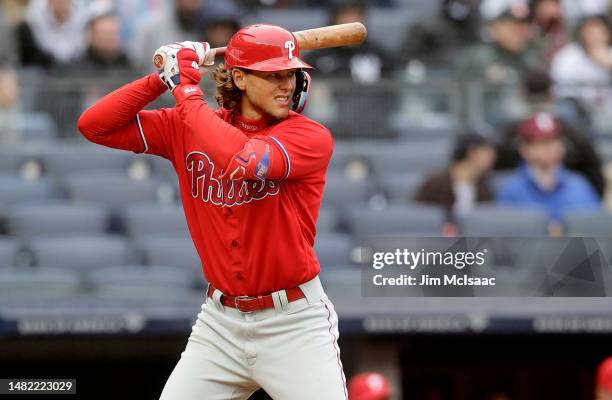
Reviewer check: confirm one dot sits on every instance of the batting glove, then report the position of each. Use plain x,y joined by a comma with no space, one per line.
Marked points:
182,62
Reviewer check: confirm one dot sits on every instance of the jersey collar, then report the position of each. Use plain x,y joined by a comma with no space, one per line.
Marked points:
248,124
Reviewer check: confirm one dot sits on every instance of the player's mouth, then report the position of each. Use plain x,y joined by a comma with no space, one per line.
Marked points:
282,100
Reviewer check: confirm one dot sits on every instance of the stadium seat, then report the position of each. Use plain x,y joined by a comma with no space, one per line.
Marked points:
410,219
176,251
8,252
492,220
387,27
147,219
37,126
333,249
341,191
18,190
65,158
328,220
588,223
161,168
111,189
142,276
82,252
33,220
37,281
415,157
401,188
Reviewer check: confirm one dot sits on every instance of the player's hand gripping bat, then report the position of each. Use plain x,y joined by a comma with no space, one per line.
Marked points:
310,39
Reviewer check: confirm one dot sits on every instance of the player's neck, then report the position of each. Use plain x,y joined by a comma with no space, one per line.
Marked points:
248,124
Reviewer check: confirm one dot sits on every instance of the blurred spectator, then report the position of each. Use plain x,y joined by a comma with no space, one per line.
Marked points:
183,21
9,106
547,27
369,386
509,54
580,154
52,33
603,381
7,50
437,42
582,69
219,32
542,181
365,63
465,182
104,51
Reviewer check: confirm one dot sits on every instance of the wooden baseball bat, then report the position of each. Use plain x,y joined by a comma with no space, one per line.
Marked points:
310,39
325,37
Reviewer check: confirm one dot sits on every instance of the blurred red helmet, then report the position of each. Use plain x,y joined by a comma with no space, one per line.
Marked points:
604,375
369,386
263,48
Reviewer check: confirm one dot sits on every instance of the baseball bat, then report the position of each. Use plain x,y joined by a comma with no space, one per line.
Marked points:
309,39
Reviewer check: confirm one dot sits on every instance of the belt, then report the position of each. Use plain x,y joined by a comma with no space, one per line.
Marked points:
248,304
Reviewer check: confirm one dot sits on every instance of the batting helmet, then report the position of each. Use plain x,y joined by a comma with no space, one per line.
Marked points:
263,48
369,386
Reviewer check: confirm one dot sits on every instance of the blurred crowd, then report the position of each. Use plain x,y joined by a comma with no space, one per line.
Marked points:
557,52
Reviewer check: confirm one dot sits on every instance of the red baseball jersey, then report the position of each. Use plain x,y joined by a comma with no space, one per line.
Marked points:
253,224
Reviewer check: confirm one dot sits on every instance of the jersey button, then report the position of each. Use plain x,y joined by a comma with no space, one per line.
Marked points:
234,243
239,276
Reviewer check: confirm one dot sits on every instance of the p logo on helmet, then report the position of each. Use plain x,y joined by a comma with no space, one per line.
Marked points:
290,46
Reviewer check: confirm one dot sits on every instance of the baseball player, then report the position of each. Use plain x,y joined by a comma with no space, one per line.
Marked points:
251,177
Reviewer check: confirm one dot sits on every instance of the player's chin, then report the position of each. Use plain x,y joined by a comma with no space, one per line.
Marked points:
280,112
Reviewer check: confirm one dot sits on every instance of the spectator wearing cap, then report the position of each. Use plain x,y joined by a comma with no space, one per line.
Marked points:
603,380
464,183
580,155
582,69
542,181
369,386
508,55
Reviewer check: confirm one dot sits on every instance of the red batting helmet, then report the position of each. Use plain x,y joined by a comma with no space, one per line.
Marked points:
369,386
263,48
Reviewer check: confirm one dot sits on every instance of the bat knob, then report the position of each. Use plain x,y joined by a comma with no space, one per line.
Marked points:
158,61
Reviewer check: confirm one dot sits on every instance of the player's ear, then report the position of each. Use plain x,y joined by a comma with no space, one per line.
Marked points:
239,77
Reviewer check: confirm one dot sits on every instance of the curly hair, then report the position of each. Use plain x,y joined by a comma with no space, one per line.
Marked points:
228,95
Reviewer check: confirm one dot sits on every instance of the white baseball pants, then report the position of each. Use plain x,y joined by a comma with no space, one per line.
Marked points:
290,350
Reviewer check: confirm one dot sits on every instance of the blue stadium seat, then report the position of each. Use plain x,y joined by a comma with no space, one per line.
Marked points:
589,223
81,252
37,281
401,188
8,252
333,249
66,158
33,220
176,251
150,219
37,126
409,219
142,276
18,190
111,189
492,220
421,156
328,220
341,191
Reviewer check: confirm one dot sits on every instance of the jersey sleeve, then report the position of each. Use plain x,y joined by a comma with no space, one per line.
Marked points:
305,145
118,120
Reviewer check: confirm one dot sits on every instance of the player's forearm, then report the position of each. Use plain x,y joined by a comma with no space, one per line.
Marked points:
220,140
115,110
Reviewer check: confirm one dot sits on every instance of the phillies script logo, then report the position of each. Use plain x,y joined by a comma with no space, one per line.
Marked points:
223,192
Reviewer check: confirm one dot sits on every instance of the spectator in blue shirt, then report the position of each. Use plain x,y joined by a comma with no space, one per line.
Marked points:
542,181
